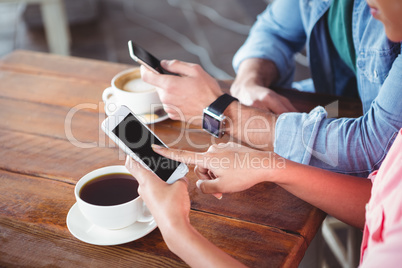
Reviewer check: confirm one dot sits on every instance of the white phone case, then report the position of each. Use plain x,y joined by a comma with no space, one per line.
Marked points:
114,120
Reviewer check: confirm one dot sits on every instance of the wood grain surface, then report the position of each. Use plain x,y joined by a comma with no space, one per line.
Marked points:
50,136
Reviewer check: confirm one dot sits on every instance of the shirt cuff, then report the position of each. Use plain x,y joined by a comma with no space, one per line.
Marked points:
296,133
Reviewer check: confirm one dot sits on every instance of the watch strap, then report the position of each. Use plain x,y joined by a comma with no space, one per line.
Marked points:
221,103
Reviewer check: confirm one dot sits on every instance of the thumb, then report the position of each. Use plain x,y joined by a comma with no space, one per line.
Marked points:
179,67
182,182
152,78
209,187
140,173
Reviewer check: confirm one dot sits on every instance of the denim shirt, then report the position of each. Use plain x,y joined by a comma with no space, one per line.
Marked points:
354,146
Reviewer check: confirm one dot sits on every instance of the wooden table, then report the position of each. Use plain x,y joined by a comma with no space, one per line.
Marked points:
262,227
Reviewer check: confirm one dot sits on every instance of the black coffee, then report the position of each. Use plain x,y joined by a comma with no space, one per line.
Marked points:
110,189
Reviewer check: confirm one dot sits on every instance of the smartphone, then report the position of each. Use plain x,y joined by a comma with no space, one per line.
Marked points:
143,57
135,139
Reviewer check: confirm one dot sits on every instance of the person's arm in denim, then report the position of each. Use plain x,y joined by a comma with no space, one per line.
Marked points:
267,57
354,146
277,35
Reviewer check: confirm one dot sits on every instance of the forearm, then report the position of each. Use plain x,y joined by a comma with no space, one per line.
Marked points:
277,34
250,125
252,86
257,71
187,243
341,196
354,146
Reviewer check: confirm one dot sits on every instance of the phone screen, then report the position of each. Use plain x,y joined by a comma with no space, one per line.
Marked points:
139,139
148,58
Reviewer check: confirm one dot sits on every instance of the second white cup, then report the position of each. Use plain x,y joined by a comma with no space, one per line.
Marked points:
127,88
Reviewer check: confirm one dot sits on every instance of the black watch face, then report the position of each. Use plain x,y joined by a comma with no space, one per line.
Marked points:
212,125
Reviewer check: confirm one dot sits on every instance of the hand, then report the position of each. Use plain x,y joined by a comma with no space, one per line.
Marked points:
168,204
226,168
184,96
251,86
170,207
261,97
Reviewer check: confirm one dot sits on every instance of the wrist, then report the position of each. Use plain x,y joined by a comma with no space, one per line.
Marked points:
251,126
273,167
214,120
256,71
178,235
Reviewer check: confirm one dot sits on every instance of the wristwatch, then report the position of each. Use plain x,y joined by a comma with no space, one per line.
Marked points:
213,120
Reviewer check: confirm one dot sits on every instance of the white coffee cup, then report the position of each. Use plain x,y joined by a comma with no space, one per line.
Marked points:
127,88
114,216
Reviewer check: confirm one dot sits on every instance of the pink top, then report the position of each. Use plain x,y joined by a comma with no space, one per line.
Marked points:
382,237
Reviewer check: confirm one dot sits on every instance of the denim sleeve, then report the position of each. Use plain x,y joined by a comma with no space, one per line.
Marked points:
355,146
277,34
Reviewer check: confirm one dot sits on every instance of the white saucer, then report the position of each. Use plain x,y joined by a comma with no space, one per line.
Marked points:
162,115
85,231
111,106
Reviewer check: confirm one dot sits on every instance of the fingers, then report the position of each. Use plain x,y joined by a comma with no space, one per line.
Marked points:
144,175
140,173
158,80
183,182
211,174
148,75
180,67
218,195
288,104
261,105
272,101
277,103
183,156
209,187
174,112
202,173
207,180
